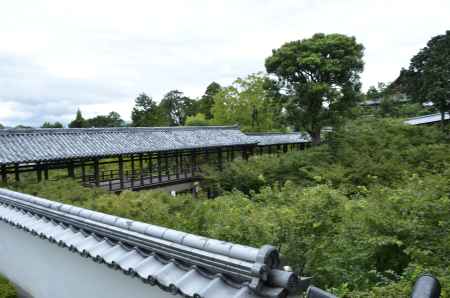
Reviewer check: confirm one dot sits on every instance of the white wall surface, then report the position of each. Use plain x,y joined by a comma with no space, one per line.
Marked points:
45,270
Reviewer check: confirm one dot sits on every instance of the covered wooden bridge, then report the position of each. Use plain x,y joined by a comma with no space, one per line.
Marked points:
130,158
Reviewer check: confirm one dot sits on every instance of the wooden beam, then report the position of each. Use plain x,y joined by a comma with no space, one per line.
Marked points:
4,174
45,171
120,160
70,169
150,167
166,165
285,148
193,161
177,164
83,172
133,171
220,158
159,167
38,168
141,168
16,172
96,172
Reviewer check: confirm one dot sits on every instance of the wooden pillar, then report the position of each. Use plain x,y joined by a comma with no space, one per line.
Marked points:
150,167
141,168
261,150
121,172
166,165
219,158
38,168
270,149
244,153
193,161
70,169
232,153
16,171
159,167
96,172
177,164
285,148
133,171
4,174
207,155
83,172
183,171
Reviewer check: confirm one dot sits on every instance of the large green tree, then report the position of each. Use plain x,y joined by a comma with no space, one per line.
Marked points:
320,75
246,102
428,76
52,125
177,107
79,121
147,113
206,102
111,120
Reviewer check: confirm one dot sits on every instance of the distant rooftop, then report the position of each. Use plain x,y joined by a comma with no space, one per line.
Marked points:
178,262
426,119
273,138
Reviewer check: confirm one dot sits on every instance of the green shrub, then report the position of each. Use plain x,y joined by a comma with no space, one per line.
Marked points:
7,290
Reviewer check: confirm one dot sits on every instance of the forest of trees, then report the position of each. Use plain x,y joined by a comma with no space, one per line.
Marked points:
365,213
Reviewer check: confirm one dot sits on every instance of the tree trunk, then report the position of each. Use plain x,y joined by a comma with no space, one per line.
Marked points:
315,137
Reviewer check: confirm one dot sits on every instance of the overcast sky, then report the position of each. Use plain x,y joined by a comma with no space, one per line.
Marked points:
58,56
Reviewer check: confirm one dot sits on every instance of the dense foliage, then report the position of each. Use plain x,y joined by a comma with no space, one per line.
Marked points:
364,214
428,76
7,290
321,77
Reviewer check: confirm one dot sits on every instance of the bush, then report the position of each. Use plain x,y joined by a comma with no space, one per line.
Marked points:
7,290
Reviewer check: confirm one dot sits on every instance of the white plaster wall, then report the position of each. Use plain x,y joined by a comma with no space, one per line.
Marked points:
45,270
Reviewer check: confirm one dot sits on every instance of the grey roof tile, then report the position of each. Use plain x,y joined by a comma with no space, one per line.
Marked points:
269,138
426,119
32,145
177,262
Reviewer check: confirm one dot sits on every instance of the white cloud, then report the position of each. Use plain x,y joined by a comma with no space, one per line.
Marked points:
56,56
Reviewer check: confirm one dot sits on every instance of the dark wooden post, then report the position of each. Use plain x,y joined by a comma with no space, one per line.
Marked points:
4,174
83,172
150,167
16,171
177,164
219,158
285,148
46,171
261,150
183,170
207,155
121,172
166,165
70,169
96,172
132,171
193,162
141,168
232,153
270,149
244,153
38,171
159,167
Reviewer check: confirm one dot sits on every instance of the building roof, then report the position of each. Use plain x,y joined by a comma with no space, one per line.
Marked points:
432,118
180,263
33,145
274,138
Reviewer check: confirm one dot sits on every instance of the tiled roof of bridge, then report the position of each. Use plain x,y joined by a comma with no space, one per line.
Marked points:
426,119
31,145
177,262
274,138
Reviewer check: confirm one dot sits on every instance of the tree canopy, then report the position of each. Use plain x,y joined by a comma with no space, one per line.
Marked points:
52,125
321,77
428,76
247,103
147,113
79,121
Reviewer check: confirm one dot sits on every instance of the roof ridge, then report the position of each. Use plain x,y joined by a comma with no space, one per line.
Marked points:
232,250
